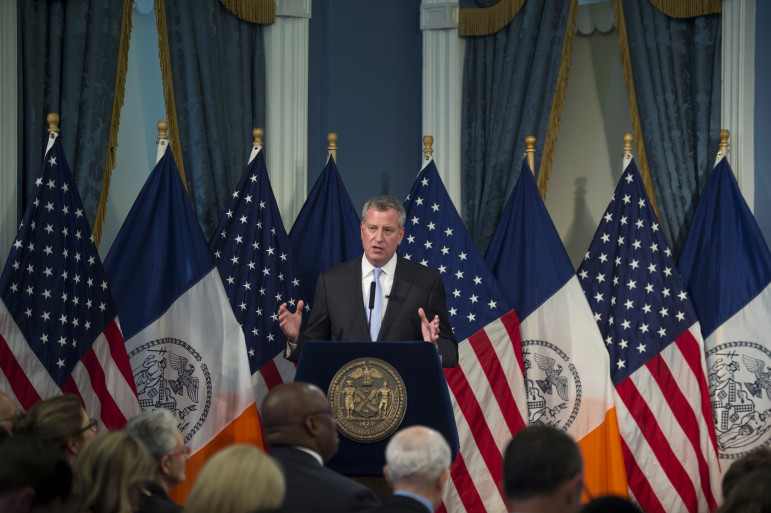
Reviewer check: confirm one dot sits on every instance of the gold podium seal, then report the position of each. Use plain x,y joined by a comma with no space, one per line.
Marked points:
368,398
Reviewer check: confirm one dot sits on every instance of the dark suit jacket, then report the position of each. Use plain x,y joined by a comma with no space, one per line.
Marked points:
400,504
314,488
157,501
338,308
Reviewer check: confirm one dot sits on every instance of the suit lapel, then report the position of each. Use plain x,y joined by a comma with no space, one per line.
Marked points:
399,290
357,299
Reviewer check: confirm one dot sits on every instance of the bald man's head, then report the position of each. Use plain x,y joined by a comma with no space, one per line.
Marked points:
299,414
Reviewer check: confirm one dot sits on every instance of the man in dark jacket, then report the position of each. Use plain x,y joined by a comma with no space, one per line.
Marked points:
301,429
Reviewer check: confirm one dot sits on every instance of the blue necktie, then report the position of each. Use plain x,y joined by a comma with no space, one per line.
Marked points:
377,311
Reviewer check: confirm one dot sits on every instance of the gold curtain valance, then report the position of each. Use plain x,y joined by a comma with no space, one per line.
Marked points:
688,8
255,11
487,20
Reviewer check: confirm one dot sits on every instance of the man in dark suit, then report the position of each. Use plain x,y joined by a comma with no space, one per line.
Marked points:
417,466
347,296
543,472
300,428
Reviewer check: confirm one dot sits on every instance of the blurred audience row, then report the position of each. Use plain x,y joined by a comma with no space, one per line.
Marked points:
52,459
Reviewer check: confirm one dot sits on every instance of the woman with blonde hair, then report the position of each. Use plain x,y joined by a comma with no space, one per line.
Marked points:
109,474
238,479
60,421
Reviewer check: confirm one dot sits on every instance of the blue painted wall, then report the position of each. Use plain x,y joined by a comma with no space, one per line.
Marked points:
365,66
763,118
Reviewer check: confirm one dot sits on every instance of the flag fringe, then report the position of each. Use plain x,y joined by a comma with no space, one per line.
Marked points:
688,8
626,64
550,144
254,11
168,88
117,105
487,20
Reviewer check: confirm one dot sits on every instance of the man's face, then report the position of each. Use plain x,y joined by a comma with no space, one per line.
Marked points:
177,460
380,234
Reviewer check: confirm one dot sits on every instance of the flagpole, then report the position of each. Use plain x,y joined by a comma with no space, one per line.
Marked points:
530,152
53,129
163,140
332,146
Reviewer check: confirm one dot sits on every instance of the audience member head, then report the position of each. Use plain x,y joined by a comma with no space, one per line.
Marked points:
7,412
756,459
751,493
299,414
382,228
542,470
60,420
238,479
159,432
110,473
418,461
34,475
610,504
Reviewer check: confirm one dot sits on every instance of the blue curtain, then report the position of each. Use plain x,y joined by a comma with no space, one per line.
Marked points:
509,80
676,70
218,74
67,64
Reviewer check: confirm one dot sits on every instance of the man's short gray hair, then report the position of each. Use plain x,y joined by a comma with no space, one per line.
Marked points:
383,203
418,454
155,429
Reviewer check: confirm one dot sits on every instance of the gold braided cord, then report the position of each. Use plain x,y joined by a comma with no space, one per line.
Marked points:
550,144
626,63
117,105
168,88
254,11
487,20
688,8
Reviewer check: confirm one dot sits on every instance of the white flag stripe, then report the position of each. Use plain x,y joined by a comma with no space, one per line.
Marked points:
120,390
750,323
647,462
214,321
490,408
82,380
587,354
501,342
476,466
26,358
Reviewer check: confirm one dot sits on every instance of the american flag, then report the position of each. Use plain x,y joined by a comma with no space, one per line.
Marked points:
58,328
259,273
656,356
487,388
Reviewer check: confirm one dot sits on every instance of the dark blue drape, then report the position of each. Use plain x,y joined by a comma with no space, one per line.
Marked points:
67,64
218,74
676,70
509,79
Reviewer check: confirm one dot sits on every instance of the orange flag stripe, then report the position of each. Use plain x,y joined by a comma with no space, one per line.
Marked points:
245,429
604,472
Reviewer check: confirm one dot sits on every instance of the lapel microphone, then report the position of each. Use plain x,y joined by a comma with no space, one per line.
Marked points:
371,302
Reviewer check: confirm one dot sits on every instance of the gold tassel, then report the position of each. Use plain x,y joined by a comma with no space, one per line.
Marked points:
550,144
487,20
626,63
168,88
117,105
688,8
255,11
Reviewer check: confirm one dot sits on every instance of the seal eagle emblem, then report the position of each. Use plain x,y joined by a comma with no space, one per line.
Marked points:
550,377
740,391
368,398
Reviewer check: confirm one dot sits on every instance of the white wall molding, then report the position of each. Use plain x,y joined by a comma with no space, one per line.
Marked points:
293,8
443,54
286,130
738,91
8,129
